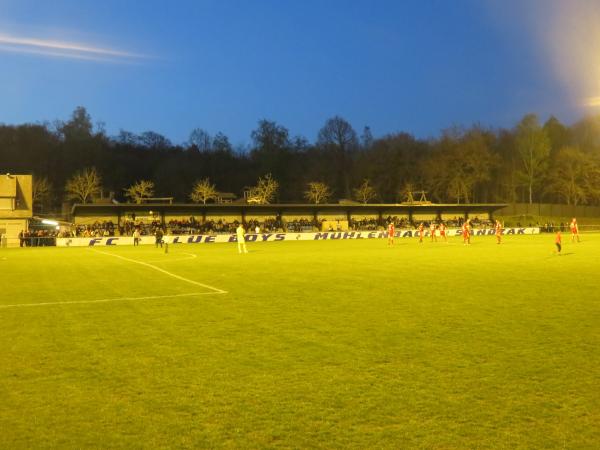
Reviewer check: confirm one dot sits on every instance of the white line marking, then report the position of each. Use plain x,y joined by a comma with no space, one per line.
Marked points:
106,300
219,291
192,256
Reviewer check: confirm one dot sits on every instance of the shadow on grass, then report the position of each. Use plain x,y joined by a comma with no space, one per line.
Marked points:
554,254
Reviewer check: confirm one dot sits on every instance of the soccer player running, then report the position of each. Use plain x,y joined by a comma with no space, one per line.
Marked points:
241,239
432,229
442,229
391,232
574,230
498,228
421,232
558,241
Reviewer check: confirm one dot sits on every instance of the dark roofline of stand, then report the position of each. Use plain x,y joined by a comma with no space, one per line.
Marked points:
398,208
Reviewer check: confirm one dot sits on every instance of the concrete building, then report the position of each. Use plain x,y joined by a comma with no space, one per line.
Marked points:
16,207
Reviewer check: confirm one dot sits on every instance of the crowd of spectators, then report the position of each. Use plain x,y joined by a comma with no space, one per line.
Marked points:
552,228
38,238
192,226
129,226
96,229
301,225
405,223
268,225
222,226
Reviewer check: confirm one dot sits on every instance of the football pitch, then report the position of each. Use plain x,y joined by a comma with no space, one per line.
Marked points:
331,344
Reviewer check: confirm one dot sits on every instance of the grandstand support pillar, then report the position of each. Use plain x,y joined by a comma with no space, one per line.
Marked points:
316,215
438,215
203,215
162,217
381,218
118,218
410,212
348,215
243,215
466,214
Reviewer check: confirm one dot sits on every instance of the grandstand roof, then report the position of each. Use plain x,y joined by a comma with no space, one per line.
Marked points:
284,208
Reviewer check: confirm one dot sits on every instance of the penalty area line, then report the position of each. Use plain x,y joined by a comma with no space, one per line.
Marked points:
177,277
106,300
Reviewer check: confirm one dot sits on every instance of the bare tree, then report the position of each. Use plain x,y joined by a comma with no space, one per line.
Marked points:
338,137
317,192
140,190
533,147
574,176
201,139
265,190
407,192
365,192
41,190
84,185
203,191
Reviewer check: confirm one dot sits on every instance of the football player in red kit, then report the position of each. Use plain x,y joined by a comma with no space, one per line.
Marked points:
421,232
432,231
498,228
574,230
466,232
558,241
442,229
391,232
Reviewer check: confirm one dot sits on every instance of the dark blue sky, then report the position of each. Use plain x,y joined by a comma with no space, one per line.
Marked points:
415,66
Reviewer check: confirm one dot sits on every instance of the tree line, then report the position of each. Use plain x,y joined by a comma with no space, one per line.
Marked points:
531,162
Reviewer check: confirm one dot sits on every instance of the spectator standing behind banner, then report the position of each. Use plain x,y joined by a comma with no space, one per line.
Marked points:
241,239
159,237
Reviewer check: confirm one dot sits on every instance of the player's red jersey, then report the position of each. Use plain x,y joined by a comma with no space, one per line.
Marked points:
574,227
465,229
391,230
558,238
442,229
498,228
432,228
421,229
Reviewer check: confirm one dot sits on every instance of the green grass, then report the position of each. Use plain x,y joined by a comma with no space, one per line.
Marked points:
336,344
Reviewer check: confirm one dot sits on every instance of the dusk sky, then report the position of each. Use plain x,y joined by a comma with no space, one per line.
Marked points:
414,66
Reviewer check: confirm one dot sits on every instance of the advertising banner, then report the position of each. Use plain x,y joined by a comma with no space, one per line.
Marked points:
275,237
